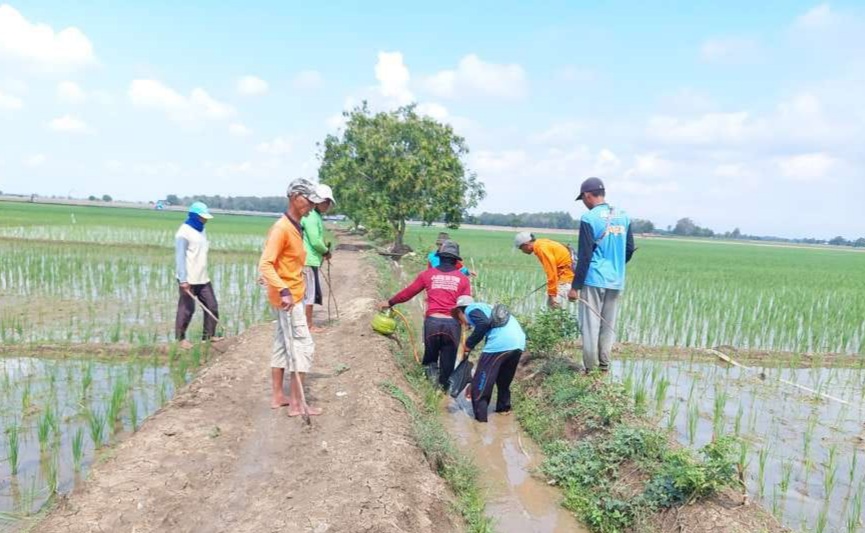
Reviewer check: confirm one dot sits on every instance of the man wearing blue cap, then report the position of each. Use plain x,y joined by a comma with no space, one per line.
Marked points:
606,245
190,245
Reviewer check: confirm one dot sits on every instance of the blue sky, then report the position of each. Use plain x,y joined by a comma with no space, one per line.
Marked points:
734,115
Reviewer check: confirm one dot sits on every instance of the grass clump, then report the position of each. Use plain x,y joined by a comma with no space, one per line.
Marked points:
620,471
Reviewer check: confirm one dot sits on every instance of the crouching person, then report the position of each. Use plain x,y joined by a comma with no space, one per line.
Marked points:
500,356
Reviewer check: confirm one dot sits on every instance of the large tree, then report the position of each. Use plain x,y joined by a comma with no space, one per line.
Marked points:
390,167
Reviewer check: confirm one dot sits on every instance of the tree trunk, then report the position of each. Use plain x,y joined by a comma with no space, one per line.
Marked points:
399,246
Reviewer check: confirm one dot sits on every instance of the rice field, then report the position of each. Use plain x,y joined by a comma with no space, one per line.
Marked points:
801,453
73,276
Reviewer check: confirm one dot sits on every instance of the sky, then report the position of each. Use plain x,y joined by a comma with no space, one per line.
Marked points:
732,113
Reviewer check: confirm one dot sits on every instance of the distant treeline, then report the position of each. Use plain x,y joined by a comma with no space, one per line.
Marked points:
264,204
685,227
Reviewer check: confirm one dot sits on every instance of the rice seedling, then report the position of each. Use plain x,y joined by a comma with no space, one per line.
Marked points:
640,396
96,423
77,448
822,519
737,423
693,418
718,420
786,475
51,467
854,462
661,387
830,473
762,457
13,446
118,398
133,414
854,514
674,414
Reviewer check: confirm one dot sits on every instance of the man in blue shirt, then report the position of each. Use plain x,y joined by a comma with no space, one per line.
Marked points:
606,245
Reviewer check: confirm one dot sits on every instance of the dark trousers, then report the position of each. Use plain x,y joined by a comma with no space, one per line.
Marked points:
186,308
494,369
441,337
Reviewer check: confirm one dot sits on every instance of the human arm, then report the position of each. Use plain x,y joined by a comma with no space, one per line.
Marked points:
548,263
585,249
630,248
181,245
482,327
314,231
273,248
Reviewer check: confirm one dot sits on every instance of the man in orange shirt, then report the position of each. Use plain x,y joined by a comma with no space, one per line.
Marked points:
281,267
555,257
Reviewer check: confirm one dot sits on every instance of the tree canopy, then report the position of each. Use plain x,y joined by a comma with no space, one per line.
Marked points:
390,167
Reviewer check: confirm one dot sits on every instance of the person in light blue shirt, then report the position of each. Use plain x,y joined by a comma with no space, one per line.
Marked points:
606,245
434,260
500,356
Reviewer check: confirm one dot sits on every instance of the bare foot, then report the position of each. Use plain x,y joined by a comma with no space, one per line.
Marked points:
280,402
216,339
315,329
313,411
185,345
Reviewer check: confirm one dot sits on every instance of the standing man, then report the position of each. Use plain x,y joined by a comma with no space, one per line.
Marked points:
606,245
316,251
441,331
556,260
281,266
190,255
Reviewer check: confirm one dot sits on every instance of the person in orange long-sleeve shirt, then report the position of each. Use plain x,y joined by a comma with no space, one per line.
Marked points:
556,260
281,268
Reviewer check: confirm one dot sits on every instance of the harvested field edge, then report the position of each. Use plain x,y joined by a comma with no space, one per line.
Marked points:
618,471
423,404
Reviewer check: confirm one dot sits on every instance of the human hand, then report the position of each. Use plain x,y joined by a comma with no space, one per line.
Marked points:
382,306
286,301
573,295
184,287
552,303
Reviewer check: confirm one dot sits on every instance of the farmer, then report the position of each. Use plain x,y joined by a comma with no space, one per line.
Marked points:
556,260
316,251
433,258
606,245
501,354
443,285
190,254
281,266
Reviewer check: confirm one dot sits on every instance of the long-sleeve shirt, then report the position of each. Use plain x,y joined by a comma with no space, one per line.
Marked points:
442,289
282,261
190,255
313,238
606,246
555,258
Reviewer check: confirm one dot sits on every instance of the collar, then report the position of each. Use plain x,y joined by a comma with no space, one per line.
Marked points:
294,222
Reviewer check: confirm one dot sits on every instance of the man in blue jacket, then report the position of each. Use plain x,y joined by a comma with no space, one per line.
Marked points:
606,245
501,354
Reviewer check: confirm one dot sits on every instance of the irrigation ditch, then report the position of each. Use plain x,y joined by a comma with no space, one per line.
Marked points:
584,444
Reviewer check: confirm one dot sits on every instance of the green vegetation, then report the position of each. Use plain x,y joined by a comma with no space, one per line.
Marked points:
620,471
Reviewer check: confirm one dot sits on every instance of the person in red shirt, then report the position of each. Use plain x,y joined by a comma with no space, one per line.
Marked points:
443,285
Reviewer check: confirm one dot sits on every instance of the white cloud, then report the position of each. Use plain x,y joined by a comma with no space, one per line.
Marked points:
70,92
650,165
433,110
393,78
69,124
276,147
35,160
818,17
807,167
152,94
730,50
252,85
308,79
39,46
239,130
10,102
732,170
475,76
607,161
706,129
566,132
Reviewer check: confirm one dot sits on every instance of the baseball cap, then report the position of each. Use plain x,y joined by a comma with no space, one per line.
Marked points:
325,192
523,237
200,209
590,185
464,301
304,188
451,249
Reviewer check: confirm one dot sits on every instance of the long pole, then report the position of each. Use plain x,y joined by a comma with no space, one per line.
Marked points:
303,407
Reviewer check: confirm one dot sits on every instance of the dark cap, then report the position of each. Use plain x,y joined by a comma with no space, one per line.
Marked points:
590,185
450,249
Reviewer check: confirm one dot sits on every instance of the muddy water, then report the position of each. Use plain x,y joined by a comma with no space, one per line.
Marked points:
517,501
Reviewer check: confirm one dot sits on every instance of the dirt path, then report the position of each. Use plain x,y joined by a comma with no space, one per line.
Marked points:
217,458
